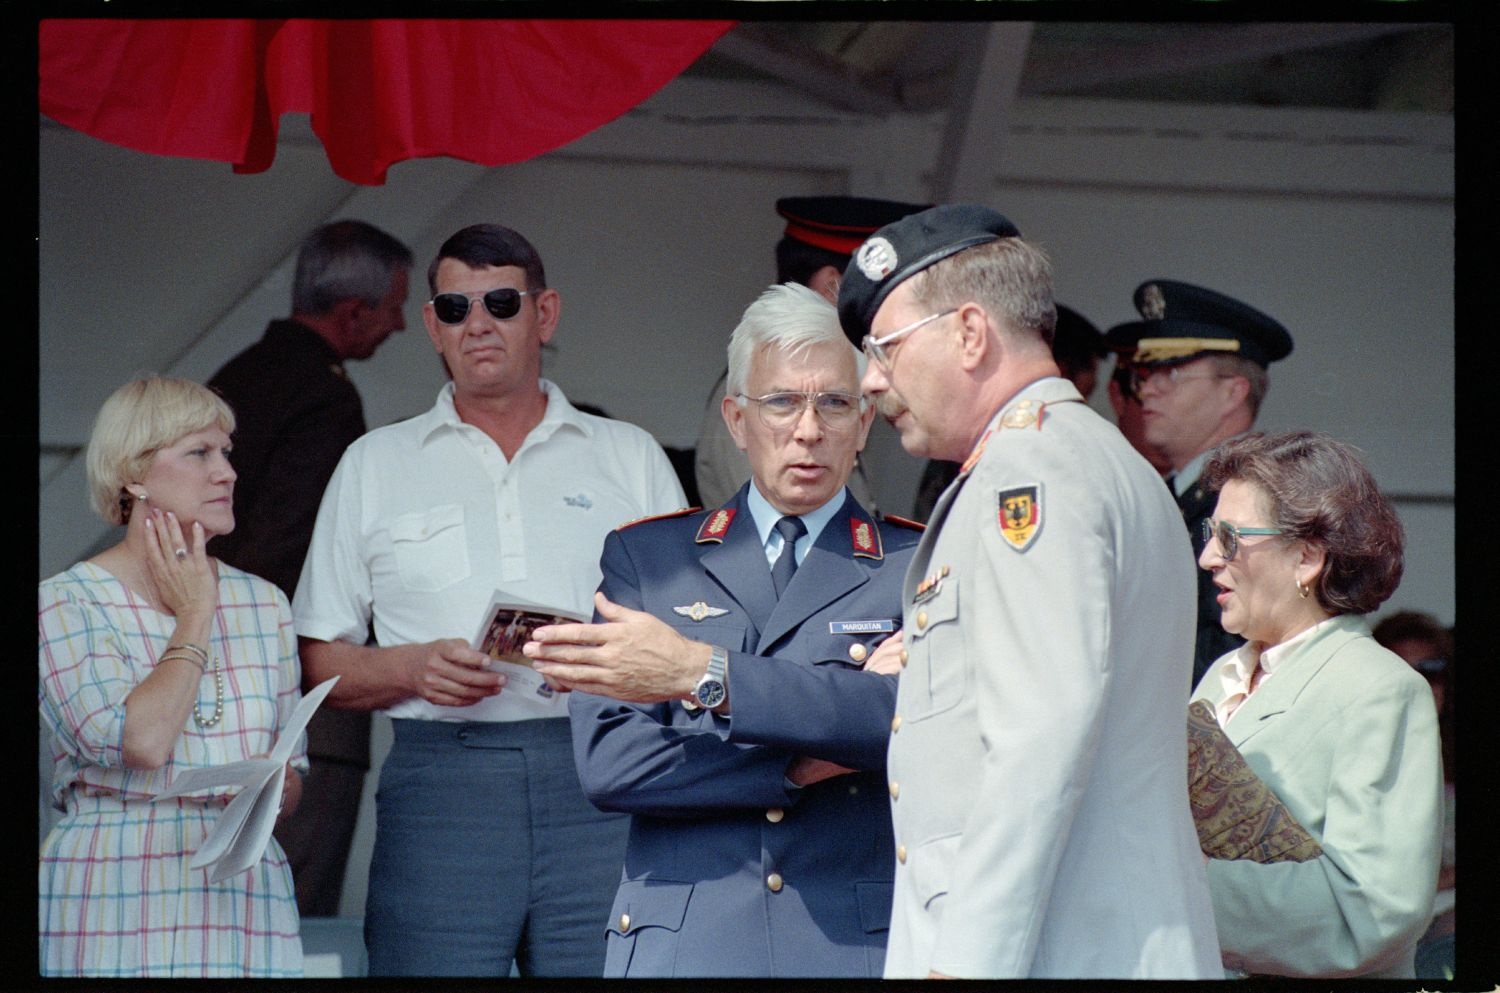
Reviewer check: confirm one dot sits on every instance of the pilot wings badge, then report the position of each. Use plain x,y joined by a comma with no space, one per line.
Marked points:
699,611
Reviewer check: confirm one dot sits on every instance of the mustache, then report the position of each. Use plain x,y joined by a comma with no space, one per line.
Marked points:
889,406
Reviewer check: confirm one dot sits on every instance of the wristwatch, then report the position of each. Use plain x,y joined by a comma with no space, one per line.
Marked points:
714,686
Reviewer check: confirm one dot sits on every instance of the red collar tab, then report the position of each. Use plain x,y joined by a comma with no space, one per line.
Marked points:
716,525
974,455
865,538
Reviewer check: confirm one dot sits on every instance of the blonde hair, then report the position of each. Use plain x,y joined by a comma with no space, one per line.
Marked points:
143,416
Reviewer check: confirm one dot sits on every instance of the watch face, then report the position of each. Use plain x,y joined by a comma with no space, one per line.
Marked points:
710,693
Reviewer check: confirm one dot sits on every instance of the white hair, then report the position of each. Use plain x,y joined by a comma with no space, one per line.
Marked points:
788,316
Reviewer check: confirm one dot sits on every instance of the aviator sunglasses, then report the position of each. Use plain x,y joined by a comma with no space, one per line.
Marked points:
453,308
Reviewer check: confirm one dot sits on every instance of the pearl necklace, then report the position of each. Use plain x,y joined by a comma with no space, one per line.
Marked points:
218,714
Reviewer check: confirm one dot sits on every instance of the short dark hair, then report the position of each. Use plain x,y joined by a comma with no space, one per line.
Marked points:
1320,492
1413,625
796,261
345,260
480,245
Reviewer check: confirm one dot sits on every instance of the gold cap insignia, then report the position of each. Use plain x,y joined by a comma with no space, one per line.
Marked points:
1153,302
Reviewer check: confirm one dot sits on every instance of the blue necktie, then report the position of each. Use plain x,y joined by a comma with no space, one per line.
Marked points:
790,529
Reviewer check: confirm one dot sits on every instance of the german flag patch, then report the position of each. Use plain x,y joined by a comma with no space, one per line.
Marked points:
1020,515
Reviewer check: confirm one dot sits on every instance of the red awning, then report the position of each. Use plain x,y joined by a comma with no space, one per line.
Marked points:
378,91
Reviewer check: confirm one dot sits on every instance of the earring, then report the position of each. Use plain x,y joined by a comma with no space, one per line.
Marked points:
1303,591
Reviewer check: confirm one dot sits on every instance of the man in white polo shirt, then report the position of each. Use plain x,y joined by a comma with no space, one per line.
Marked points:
485,848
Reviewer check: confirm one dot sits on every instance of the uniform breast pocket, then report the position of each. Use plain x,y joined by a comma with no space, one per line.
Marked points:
431,548
937,675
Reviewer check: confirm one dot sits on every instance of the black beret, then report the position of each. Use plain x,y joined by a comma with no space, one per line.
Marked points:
1182,321
906,247
839,224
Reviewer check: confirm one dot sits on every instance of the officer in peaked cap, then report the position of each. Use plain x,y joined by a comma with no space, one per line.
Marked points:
1048,628
821,233
1199,370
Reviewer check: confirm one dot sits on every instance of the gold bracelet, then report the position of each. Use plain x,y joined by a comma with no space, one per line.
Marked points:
180,656
201,652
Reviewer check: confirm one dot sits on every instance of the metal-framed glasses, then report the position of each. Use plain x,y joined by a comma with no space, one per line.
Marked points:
1229,536
502,303
778,411
1166,377
875,347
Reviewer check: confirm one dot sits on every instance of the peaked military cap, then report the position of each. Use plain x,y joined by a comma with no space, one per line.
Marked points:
839,224
1181,321
904,248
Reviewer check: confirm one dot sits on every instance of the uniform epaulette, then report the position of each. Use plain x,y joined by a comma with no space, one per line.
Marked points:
659,517
903,522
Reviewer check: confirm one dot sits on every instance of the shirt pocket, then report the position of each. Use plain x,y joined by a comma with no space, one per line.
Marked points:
431,548
937,674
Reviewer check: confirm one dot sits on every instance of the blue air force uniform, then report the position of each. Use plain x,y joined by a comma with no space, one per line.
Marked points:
731,870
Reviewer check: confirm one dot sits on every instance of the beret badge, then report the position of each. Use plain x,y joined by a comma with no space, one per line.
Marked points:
876,258
1153,302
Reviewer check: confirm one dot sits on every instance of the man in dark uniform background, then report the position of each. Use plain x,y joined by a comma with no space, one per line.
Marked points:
1199,369
296,412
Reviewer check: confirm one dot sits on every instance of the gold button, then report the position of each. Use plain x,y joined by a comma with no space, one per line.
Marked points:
901,854
775,814
895,790
858,652
624,923
773,882
921,619
904,656
895,724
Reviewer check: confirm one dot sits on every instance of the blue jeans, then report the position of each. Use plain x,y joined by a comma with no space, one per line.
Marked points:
486,851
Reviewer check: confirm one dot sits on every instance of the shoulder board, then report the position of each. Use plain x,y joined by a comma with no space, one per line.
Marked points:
903,522
659,517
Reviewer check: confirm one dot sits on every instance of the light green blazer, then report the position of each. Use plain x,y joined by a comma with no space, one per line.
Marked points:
1346,734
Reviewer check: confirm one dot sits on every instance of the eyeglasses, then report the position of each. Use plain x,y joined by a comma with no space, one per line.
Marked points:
1165,377
875,347
779,411
1229,536
453,308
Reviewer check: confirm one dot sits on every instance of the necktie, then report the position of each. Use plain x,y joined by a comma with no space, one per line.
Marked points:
790,529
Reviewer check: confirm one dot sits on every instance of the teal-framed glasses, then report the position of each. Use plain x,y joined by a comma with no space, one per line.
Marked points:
1229,536
779,411
875,347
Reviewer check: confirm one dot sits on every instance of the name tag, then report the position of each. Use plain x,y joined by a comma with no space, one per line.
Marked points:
881,626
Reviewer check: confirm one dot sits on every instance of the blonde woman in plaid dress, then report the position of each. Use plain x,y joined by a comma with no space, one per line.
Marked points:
154,658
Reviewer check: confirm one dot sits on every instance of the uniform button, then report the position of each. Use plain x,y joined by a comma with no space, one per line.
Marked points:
895,790
895,724
945,570
858,652
905,655
775,814
773,882
921,620
853,791
901,854
625,921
